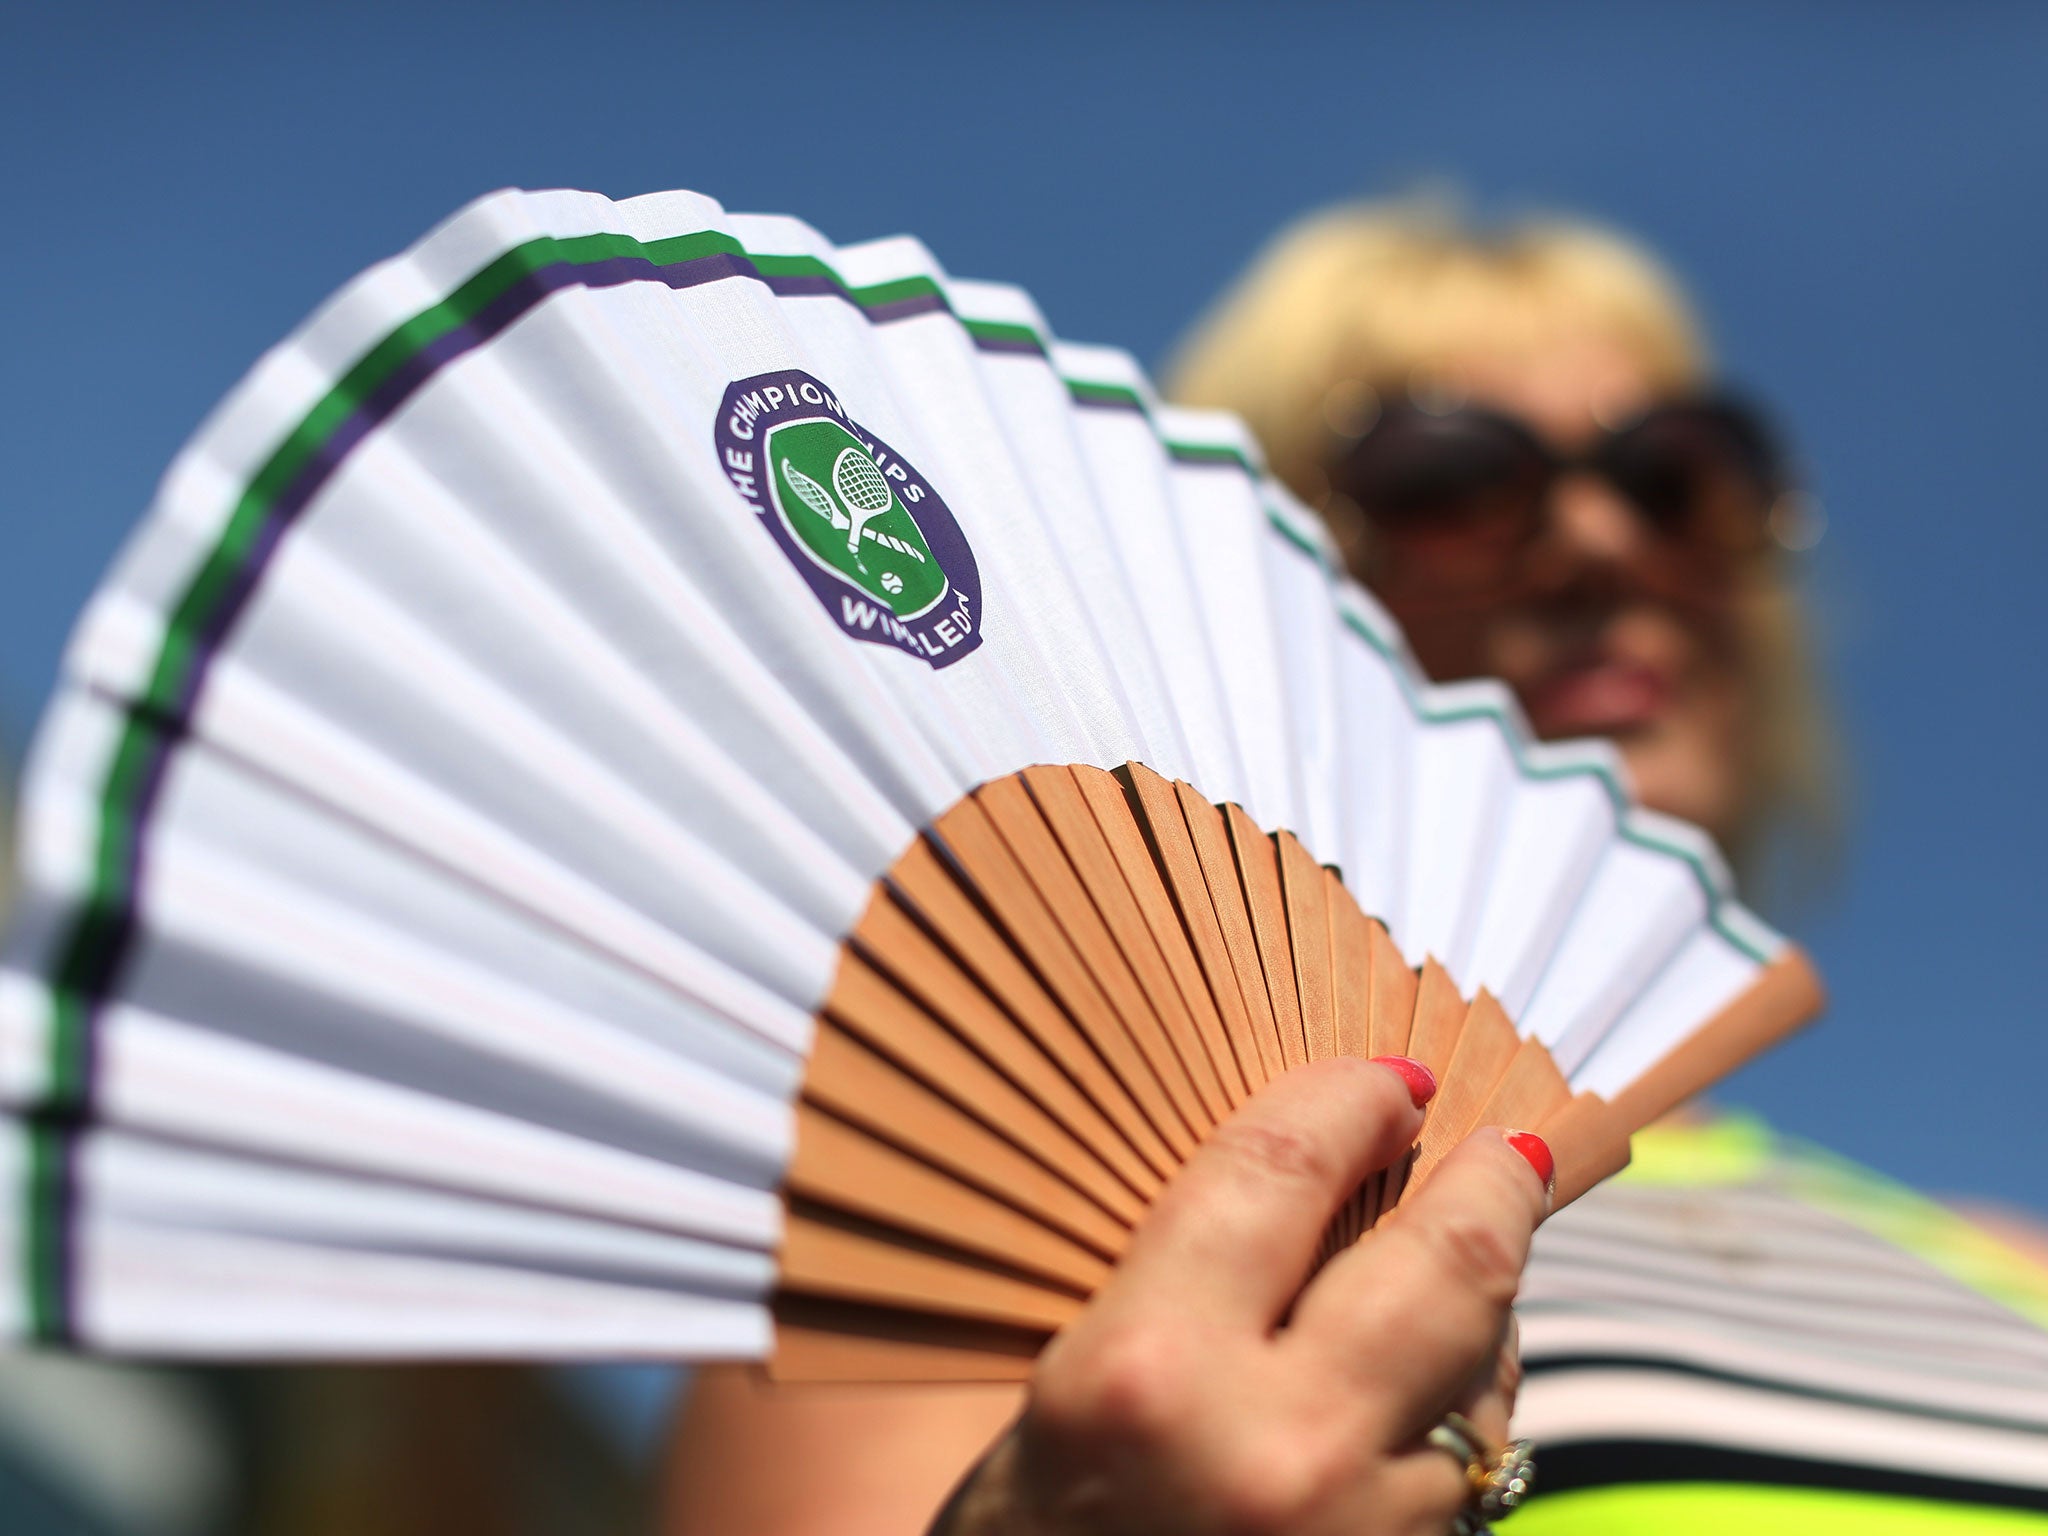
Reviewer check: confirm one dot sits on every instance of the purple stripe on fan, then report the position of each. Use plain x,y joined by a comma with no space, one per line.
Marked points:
494,317
1007,344
1122,400
384,401
904,309
793,286
376,407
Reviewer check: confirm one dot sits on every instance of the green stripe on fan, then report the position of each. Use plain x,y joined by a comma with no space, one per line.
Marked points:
171,675
794,266
1004,331
43,1236
96,930
899,291
1106,394
1210,453
1716,902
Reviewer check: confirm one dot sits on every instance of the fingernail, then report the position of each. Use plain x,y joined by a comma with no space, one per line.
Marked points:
1536,1152
1420,1080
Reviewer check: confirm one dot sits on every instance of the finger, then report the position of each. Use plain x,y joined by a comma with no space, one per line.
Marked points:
1235,1233
1508,1366
1421,1492
1414,1311
1441,1482
1431,1483
1488,1399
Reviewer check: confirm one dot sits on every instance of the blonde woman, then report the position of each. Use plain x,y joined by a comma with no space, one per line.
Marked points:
1518,443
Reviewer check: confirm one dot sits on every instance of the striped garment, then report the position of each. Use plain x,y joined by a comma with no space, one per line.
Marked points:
1744,1334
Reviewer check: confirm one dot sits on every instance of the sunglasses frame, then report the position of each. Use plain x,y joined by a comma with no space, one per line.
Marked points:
1760,457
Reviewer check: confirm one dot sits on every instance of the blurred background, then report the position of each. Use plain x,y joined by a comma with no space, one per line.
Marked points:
1853,192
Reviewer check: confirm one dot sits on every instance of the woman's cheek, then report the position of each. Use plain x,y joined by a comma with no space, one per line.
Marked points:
1689,763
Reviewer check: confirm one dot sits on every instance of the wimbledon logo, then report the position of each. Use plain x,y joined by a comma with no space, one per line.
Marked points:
876,544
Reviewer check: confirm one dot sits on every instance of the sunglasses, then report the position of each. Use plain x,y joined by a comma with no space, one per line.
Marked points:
1465,489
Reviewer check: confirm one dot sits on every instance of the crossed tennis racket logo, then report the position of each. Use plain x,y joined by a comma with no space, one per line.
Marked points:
863,496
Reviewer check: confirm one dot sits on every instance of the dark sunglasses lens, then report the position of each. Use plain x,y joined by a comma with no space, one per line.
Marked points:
1417,472
1696,472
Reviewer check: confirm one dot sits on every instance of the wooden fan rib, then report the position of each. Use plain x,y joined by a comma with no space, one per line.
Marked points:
1351,953
1429,1035
929,886
1258,873
1304,899
1439,1019
1394,985
820,1341
840,1167
867,1090
1486,1043
864,1004
1066,813
1210,837
1361,1211
1529,1093
848,1260
1590,1143
1154,810
1101,799
926,976
1005,888
1786,995
1107,953
1351,1006
1389,1189
1118,962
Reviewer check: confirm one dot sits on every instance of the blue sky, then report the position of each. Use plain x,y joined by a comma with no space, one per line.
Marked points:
1854,190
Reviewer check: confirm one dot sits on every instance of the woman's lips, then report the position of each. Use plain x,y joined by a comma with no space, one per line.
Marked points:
1600,698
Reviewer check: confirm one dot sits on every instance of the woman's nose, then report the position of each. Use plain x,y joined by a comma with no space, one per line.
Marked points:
1588,524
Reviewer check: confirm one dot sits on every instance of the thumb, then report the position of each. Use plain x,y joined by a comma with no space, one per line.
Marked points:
1440,1278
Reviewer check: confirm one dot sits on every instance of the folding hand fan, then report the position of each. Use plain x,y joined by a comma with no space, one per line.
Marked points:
654,786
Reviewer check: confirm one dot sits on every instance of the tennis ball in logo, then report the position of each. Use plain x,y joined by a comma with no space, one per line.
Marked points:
842,509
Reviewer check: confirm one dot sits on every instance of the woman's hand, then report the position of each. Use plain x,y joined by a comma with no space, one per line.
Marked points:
1203,1390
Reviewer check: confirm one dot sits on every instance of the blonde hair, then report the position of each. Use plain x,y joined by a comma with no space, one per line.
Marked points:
1355,300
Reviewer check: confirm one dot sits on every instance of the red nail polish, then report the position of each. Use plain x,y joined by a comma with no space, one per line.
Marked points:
1420,1080
1536,1151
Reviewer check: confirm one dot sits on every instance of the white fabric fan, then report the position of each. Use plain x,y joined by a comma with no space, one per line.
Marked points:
592,819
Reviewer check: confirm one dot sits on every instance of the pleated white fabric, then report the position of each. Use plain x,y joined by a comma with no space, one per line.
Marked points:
459,789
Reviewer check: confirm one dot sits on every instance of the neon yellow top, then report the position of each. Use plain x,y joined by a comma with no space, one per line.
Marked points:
1779,1309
